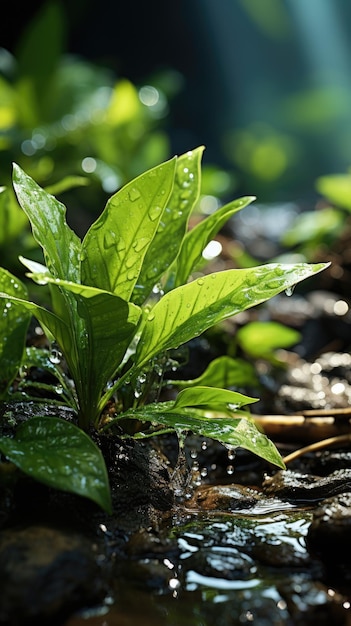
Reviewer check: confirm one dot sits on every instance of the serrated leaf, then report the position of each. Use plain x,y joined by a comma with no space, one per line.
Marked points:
166,244
189,310
14,322
60,244
114,247
196,240
60,455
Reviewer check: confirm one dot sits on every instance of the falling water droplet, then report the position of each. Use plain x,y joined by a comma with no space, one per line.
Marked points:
55,357
290,290
231,454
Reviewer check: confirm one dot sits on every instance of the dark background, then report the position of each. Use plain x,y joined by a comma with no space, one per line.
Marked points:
238,71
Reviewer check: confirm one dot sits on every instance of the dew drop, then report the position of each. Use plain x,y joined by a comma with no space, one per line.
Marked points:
140,244
203,472
55,357
231,454
193,453
151,316
109,239
200,282
154,213
121,245
134,194
230,470
131,275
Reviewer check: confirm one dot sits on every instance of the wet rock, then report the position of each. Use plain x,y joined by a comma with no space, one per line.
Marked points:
329,533
221,562
307,488
223,498
45,574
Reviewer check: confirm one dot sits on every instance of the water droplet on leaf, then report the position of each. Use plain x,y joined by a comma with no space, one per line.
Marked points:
154,213
134,194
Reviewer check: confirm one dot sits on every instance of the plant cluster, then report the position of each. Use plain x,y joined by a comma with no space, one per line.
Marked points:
122,299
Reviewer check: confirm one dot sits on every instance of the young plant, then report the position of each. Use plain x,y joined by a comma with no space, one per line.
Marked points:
122,299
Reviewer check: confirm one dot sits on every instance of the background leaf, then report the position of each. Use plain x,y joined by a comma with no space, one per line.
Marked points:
189,310
114,247
222,372
336,188
211,397
14,322
260,339
59,454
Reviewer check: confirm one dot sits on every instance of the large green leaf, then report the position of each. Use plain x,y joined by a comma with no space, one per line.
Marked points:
197,238
59,454
236,431
166,244
14,323
114,247
222,372
189,310
60,244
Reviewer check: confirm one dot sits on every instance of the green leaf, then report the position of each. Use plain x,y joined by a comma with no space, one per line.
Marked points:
235,432
12,219
189,310
60,244
312,227
262,338
101,330
336,188
14,322
222,372
166,244
212,398
196,240
114,247
60,455
66,183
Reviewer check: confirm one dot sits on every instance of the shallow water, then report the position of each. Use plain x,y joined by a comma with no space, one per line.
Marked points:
223,569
